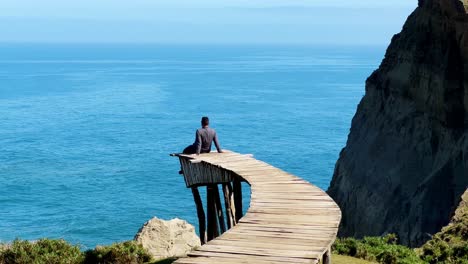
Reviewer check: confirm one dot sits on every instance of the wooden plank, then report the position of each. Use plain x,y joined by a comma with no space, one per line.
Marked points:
218,260
306,224
310,254
240,257
299,212
289,226
277,238
279,197
236,161
293,229
269,244
267,204
295,199
317,239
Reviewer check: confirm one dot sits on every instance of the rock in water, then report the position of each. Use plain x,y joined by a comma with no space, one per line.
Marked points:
405,165
165,239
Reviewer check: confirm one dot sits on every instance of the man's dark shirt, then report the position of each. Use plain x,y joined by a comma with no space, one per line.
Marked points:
204,138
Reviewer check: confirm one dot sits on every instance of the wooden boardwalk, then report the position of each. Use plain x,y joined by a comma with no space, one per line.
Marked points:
289,220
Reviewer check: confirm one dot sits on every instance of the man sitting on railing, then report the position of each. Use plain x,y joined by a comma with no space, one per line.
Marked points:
204,139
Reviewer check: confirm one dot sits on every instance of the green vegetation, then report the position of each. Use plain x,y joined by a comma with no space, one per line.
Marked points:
338,259
119,253
43,251
451,244
377,249
49,251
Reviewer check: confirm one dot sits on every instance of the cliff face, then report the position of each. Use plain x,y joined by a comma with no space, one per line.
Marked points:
405,165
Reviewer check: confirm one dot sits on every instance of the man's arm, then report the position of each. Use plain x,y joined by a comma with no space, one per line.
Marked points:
215,139
198,142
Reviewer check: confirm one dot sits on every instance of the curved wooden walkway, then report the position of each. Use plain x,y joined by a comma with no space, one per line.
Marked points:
289,219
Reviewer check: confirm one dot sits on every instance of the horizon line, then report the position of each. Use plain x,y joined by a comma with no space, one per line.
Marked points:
14,42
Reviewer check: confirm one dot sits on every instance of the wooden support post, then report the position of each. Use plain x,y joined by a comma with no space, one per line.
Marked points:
237,187
201,215
327,257
229,205
219,209
212,227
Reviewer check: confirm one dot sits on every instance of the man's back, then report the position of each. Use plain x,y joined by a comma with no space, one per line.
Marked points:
204,138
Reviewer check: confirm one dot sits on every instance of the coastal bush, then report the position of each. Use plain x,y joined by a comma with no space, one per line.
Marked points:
446,247
450,245
377,249
49,251
128,252
43,251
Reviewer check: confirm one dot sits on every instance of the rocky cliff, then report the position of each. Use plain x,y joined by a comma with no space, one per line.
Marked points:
405,165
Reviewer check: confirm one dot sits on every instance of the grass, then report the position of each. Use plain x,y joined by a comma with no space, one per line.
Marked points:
338,259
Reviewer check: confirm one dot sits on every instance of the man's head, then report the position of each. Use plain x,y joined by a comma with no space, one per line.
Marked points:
205,121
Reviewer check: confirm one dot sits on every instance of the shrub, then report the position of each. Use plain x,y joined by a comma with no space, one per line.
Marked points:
43,251
435,251
120,253
47,251
346,247
450,245
378,249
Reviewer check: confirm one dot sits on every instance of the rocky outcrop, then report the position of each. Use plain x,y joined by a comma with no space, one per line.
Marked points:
405,164
165,239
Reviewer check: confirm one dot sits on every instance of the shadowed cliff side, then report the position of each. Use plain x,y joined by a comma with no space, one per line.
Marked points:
405,165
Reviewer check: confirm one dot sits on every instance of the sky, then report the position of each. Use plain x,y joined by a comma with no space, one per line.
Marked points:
368,22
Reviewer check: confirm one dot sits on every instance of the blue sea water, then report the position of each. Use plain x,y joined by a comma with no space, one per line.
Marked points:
85,130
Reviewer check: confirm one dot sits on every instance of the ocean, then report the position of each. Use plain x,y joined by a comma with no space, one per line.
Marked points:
86,130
